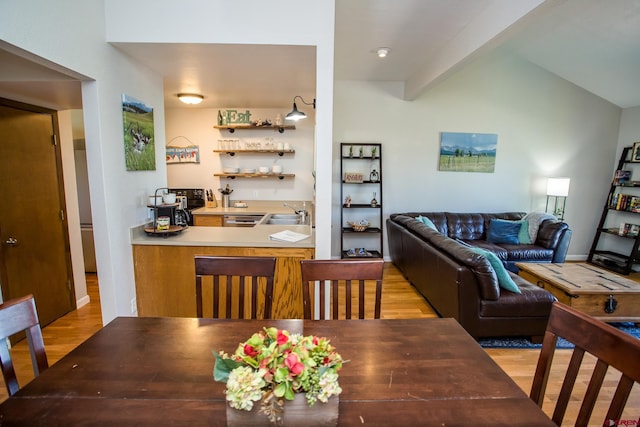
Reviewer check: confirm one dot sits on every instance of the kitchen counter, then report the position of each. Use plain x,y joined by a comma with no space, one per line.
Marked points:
164,267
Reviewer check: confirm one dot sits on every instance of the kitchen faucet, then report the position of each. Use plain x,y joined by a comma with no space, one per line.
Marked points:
302,212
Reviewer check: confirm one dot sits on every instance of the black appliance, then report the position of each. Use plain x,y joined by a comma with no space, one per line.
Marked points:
195,199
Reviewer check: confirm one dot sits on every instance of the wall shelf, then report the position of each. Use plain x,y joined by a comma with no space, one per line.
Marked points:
233,152
255,175
232,128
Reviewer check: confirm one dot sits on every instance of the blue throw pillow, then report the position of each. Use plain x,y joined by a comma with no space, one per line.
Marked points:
504,280
503,231
426,221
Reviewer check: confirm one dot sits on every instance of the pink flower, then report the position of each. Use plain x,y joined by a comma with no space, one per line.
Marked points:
293,363
282,338
250,351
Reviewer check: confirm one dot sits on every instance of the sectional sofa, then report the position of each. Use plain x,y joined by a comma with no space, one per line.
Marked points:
441,260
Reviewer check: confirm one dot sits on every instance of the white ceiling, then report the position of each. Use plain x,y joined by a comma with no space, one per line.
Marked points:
593,43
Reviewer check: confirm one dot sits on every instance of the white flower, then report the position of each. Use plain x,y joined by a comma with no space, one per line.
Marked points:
244,387
328,386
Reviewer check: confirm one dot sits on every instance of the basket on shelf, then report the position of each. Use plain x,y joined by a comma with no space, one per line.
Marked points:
358,226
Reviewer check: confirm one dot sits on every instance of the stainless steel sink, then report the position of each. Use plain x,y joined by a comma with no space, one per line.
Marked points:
283,219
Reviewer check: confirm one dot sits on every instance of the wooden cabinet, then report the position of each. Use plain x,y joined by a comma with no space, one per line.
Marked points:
617,239
208,220
165,278
361,195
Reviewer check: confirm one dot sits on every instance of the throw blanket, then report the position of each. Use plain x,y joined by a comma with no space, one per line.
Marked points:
535,219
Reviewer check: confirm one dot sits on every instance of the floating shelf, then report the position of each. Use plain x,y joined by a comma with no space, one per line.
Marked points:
232,128
255,175
233,152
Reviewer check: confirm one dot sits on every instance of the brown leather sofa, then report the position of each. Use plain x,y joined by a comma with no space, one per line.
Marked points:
462,284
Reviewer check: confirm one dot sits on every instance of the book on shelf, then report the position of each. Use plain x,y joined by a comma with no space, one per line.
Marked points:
621,177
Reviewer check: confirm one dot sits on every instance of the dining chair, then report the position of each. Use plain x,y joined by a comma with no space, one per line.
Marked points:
236,271
20,315
610,346
342,274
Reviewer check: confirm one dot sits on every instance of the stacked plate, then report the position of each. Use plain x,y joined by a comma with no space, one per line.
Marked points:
230,170
248,171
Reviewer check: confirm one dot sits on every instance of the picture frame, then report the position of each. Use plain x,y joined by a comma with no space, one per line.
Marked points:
635,152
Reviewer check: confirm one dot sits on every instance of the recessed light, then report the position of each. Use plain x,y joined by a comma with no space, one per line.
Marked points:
382,52
190,98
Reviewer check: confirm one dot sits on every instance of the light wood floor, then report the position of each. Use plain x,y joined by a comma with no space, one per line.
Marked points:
400,300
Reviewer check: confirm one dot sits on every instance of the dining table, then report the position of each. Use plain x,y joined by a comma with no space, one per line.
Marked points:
159,371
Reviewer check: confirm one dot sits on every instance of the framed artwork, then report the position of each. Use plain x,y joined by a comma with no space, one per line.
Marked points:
190,154
139,144
635,152
468,152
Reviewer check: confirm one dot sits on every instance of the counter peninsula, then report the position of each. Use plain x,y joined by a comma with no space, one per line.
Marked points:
165,273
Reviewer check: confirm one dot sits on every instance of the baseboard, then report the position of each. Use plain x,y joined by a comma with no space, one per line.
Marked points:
83,301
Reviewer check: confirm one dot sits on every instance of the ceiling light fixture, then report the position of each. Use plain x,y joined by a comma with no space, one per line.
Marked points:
382,52
299,115
190,98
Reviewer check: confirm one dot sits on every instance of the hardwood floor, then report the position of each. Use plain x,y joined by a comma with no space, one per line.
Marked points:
399,300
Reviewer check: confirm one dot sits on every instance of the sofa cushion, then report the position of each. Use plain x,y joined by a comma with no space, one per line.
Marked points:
465,226
502,231
498,250
532,302
504,278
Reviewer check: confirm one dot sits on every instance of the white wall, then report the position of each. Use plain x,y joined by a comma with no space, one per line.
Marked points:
196,125
546,127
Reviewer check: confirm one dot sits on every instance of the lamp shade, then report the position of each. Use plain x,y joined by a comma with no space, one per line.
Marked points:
558,187
190,98
295,114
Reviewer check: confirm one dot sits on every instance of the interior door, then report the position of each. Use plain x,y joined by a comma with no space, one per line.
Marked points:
34,255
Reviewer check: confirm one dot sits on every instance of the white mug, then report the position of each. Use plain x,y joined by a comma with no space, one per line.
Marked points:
276,169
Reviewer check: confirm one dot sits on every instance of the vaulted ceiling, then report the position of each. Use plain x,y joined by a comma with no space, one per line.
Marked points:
594,44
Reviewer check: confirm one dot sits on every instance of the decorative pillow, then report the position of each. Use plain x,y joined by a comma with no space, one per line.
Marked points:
504,280
523,235
503,231
426,221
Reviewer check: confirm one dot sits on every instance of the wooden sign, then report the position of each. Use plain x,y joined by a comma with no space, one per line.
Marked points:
352,177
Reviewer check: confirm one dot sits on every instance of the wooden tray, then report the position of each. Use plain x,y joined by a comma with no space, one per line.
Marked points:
173,229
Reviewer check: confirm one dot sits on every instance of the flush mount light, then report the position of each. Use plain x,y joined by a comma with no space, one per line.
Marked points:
190,98
299,115
382,52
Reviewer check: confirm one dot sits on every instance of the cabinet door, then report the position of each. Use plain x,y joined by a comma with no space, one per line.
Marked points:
208,220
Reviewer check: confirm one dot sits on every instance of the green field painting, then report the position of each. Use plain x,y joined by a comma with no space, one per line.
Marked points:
468,152
139,144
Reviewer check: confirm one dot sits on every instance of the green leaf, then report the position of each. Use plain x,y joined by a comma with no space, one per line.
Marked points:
223,367
280,390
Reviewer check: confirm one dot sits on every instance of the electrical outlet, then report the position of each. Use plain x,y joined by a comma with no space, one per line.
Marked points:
134,306
150,213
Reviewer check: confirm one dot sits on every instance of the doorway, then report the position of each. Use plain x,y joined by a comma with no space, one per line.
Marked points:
35,255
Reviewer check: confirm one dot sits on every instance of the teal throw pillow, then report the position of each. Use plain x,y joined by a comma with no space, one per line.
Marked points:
426,221
503,231
504,280
523,235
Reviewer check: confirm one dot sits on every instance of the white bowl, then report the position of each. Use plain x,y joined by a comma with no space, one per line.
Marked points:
155,200
263,169
248,170
169,198
230,170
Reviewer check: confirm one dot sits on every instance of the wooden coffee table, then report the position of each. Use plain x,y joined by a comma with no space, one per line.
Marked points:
600,293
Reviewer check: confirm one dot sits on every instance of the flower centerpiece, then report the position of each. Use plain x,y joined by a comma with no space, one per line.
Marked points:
273,366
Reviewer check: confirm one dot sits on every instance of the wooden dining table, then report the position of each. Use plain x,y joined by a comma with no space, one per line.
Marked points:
158,371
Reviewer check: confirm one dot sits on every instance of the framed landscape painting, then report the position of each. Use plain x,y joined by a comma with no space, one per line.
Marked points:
139,145
468,152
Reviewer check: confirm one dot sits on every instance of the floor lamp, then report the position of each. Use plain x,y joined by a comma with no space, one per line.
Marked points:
557,192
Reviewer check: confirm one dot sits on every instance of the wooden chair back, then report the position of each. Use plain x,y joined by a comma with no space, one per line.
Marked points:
20,315
610,346
237,271
342,274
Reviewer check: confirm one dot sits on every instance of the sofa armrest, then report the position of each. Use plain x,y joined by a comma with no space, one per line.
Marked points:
550,233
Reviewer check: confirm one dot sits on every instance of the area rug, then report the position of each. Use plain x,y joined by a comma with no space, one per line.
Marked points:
524,342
